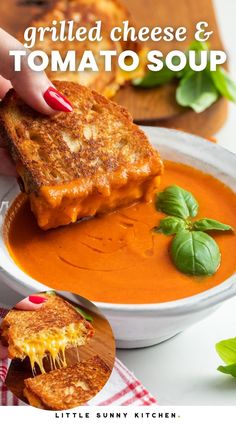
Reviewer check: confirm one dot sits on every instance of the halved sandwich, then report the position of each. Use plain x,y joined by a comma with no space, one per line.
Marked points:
68,387
85,13
74,165
46,332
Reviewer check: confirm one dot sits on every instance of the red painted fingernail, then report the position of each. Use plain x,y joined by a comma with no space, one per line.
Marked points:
56,100
37,299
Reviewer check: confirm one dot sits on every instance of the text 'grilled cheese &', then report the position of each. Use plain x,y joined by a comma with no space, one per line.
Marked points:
126,60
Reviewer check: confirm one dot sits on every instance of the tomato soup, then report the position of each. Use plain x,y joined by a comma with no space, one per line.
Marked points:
117,258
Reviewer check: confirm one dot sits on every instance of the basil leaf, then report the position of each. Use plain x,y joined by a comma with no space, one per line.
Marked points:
84,314
224,84
176,201
195,253
228,369
155,78
165,75
196,90
206,224
198,46
226,349
171,225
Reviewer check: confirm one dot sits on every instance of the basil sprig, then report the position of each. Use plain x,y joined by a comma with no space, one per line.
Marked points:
226,349
193,251
197,90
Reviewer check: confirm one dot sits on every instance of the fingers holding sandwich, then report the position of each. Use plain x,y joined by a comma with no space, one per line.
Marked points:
30,303
33,87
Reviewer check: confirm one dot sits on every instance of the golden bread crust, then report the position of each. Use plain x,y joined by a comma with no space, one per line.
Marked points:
70,386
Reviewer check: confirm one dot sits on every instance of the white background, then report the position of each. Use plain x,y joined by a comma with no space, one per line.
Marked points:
182,371
183,415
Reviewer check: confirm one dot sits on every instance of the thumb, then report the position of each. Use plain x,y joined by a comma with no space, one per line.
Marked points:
31,303
33,87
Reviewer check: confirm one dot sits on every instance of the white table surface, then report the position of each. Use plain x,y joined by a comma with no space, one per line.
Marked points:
182,371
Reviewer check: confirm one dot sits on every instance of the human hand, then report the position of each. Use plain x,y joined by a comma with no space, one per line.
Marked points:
33,87
31,303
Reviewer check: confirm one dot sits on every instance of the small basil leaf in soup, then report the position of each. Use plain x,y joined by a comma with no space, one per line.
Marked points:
207,224
226,349
195,253
178,202
172,225
228,369
84,314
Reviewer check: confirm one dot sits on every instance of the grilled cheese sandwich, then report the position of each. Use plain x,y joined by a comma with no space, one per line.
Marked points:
76,165
68,387
85,13
47,332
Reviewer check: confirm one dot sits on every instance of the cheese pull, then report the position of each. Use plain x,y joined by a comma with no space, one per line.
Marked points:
51,344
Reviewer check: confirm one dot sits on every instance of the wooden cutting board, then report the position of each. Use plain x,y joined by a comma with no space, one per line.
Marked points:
158,106
147,106
102,344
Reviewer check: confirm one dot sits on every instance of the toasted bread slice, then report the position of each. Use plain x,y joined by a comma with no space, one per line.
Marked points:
48,331
69,387
78,164
86,13
112,13
83,15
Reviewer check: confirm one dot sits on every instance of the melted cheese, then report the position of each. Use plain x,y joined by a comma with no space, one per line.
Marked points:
60,205
51,344
124,76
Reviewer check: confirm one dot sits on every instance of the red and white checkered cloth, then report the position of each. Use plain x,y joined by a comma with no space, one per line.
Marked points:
122,388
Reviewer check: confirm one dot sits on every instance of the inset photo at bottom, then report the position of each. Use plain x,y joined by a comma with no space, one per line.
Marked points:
61,347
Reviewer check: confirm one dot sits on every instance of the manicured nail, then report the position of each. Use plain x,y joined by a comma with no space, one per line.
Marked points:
56,100
37,299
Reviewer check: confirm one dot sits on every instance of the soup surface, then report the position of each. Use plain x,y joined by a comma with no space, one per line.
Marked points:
117,258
